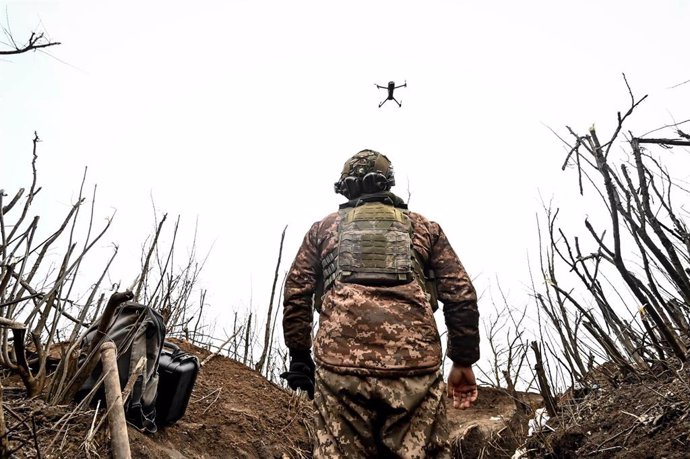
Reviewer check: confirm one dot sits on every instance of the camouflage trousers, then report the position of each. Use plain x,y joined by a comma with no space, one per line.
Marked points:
372,417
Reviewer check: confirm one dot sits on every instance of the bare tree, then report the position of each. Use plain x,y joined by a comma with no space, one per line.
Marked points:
267,334
38,304
634,296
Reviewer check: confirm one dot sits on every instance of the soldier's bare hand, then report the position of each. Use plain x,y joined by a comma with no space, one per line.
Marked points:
462,386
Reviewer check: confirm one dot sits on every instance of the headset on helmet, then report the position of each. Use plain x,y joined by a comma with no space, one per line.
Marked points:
366,172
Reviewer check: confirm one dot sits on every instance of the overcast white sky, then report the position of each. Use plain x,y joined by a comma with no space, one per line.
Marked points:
241,114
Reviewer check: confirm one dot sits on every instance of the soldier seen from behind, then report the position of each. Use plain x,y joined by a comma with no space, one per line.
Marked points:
373,271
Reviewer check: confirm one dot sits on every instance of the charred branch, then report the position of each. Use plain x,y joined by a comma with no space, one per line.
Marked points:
673,142
36,41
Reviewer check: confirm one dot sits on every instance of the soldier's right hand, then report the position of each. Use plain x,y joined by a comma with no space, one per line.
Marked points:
462,386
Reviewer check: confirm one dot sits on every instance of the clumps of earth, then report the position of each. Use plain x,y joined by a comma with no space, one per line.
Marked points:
621,415
235,412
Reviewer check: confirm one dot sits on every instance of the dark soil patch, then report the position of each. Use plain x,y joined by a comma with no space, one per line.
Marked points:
645,416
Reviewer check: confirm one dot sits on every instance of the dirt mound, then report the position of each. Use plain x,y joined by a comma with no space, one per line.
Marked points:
236,413
233,412
643,415
494,427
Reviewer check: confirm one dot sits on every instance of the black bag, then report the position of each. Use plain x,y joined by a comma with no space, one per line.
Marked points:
177,373
137,331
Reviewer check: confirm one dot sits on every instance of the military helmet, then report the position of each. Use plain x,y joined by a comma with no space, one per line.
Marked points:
366,172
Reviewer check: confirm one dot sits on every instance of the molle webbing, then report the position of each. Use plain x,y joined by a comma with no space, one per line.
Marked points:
329,266
375,238
374,245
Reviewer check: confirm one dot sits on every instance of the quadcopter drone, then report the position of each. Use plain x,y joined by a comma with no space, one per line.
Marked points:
391,87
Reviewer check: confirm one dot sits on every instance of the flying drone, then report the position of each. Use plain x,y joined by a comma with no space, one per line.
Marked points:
391,87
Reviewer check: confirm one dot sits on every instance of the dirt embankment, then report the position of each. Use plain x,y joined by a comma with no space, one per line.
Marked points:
234,412
643,414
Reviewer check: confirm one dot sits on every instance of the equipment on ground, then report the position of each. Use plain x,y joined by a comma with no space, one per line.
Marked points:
138,332
177,372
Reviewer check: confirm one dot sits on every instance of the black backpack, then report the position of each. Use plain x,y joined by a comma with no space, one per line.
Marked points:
137,331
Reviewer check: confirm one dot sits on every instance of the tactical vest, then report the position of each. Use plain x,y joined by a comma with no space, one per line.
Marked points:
375,248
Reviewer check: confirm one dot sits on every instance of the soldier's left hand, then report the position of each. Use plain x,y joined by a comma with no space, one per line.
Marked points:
299,378
301,374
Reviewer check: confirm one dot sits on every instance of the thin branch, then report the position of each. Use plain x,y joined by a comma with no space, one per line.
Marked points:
32,44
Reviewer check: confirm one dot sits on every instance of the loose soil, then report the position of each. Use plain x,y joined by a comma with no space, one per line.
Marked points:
634,415
234,412
237,413
494,427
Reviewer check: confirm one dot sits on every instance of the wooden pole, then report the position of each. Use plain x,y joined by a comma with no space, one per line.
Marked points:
119,439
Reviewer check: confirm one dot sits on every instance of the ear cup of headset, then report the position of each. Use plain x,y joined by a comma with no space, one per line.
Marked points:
345,186
374,182
352,187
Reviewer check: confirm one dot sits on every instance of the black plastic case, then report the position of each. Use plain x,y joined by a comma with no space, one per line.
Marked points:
177,373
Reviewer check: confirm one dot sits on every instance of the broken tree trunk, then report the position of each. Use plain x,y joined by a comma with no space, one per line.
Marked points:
544,387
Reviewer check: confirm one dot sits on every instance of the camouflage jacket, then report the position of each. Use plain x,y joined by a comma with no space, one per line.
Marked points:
381,330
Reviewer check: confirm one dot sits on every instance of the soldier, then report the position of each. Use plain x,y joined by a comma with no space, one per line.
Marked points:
373,271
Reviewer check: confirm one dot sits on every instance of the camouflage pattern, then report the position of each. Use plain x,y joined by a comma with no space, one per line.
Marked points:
381,330
369,417
374,245
354,181
367,161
